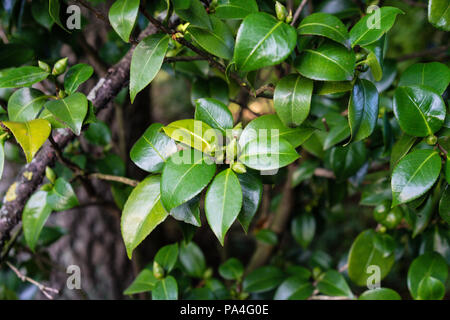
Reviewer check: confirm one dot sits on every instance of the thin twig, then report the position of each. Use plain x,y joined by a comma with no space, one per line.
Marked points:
108,177
267,87
88,6
47,291
324,173
298,11
183,58
442,149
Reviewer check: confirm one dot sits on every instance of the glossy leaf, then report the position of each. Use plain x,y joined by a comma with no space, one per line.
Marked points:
419,111
167,256
266,153
147,59
346,161
262,41
430,264
35,214
329,62
62,197
53,10
122,16
333,284
188,212
193,12
193,133
219,40
414,175
430,289
71,110
235,9
325,25
25,104
401,149
263,279
152,149
76,75
444,205
22,77
251,197
214,113
232,269
185,175
142,212
366,251
439,14
31,135
223,203
165,289
363,109
192,260
434,75
144,282
380,294
303,228
372,26
294,288
292,99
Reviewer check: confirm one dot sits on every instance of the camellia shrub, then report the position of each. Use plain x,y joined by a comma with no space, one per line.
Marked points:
313,158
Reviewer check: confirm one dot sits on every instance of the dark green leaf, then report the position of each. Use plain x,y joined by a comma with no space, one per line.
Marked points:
40,12
35,214
192,260
401,149
71,110
325,25
251,198
232,269
62,197
303,228
434,75
214,113
235,9
263,279
98,133
444,205
25,104
188,212
76,75
194,13
167,256
346,161
21,77
214,87
144,282
294,288
333,284
53,10
165,289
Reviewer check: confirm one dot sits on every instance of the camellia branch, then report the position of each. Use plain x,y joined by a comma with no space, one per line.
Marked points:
107,177
298,11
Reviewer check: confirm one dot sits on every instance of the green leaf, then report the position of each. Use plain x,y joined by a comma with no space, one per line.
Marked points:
53,10
329,62
330,87
232,269
263,279
325,25
31,135
294,288
219,41
192,260
263,41
414,175
35,214
444,205
430,264
303,228
142,212
98,133
15,55
185,175
251,197
25,104
439,14
2,158
401,149
346,161
40,12
430,289
303,172
71,110
235,9
333,284
372,26
165,289
380,294
76,75
194,13
267,153
21,77
421,217
152,149
223,203
214,87
167,256
62,197
214,113
188,212
122,16
146,61
419,111
144,282
434,75
193,133
273,127
267,236
292,99
366,251
363,109
336,134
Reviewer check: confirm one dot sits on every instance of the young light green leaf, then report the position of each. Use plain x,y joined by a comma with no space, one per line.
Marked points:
214,113
22,77
76,75
142,212
251,197
439,14
62,197
25,104
71,110
329,62
266,153
380,294
31,135
363,109
292,99
372,26
185,175
414,175
152,149
325,25
434,75
262,41
232,269
223,203
122,16
419,111
219,40
294,288
147,59
35,214
235,9
263,279
333,284
167,256
165,289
